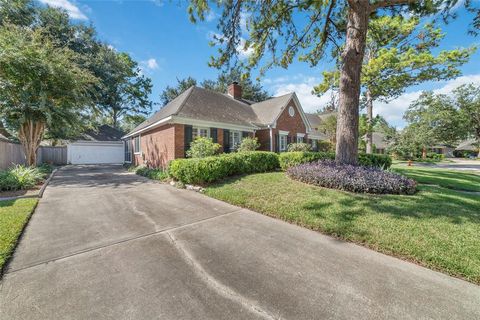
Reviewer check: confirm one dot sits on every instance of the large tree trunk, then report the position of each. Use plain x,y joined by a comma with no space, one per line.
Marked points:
369,103
30,135
347,126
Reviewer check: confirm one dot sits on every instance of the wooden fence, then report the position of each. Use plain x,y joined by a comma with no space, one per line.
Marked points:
11,153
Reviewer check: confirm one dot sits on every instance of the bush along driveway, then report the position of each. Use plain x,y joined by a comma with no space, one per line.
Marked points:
113,245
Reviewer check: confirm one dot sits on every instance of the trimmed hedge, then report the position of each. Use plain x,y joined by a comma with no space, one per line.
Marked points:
359,179
381,161
205,170
290,159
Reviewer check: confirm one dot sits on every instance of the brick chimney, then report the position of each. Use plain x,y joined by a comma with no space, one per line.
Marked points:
235,91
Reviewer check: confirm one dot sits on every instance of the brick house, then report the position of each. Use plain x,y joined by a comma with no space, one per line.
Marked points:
226,118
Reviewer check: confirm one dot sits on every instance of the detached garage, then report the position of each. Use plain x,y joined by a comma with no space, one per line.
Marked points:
95,152
100,146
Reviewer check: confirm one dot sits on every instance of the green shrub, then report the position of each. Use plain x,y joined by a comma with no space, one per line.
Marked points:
435,156
201,171
249,144
290,159
325,146
203,147
381,161
293,147
20,177
154,174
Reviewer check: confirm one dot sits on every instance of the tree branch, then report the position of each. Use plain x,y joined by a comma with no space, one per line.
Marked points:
389,3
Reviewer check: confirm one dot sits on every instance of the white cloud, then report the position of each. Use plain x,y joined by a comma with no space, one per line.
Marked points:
158,3
394,110
152,64
244,16
211,15
303,87
242,52
73,11
217,39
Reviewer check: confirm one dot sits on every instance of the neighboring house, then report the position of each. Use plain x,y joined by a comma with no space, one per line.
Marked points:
470,146
380,143
315,134
447,151
102,145
226,118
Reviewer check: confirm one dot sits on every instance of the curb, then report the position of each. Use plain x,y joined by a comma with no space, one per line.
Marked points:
40,193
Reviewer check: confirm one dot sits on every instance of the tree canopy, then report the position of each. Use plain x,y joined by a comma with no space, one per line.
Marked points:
399,53
43,87
250,90
276,32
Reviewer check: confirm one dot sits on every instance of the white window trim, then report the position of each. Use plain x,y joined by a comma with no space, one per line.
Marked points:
282,135
283,132
300,136
231,137
139,151
198,128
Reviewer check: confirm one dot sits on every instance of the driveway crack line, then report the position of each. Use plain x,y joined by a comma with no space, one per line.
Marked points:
216,285
118,242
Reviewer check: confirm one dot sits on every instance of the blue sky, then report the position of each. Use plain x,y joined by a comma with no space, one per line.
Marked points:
160,36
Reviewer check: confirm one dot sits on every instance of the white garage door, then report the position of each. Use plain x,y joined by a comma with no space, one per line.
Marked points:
95,152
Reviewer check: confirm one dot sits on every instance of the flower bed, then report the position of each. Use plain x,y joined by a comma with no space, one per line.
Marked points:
358,179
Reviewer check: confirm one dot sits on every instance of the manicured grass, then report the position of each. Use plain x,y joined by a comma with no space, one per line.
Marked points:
14,214
436,227
452,179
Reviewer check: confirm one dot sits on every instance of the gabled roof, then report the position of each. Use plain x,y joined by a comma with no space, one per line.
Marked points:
205,105
468,145
217,107
378,140
102,133
267,111
314,119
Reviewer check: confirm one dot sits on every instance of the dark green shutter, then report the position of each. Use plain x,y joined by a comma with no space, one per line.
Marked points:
187,138
277,143
214,134
226,141
244,134
288,140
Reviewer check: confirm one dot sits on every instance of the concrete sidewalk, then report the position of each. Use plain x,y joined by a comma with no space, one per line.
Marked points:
107,244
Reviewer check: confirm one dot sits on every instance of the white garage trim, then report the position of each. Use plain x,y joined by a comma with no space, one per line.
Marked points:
96,152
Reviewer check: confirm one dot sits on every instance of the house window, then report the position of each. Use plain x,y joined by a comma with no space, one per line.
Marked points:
235,139
136,144
200,132
128,150
283,142
300,137
314,144
291,111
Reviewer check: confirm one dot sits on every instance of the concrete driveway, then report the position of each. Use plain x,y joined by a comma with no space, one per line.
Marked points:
106,244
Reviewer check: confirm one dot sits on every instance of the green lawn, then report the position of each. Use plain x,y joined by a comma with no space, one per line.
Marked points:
452,179
437,227
14,214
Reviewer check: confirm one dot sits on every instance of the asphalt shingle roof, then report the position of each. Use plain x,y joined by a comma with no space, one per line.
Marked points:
268,110
202,104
